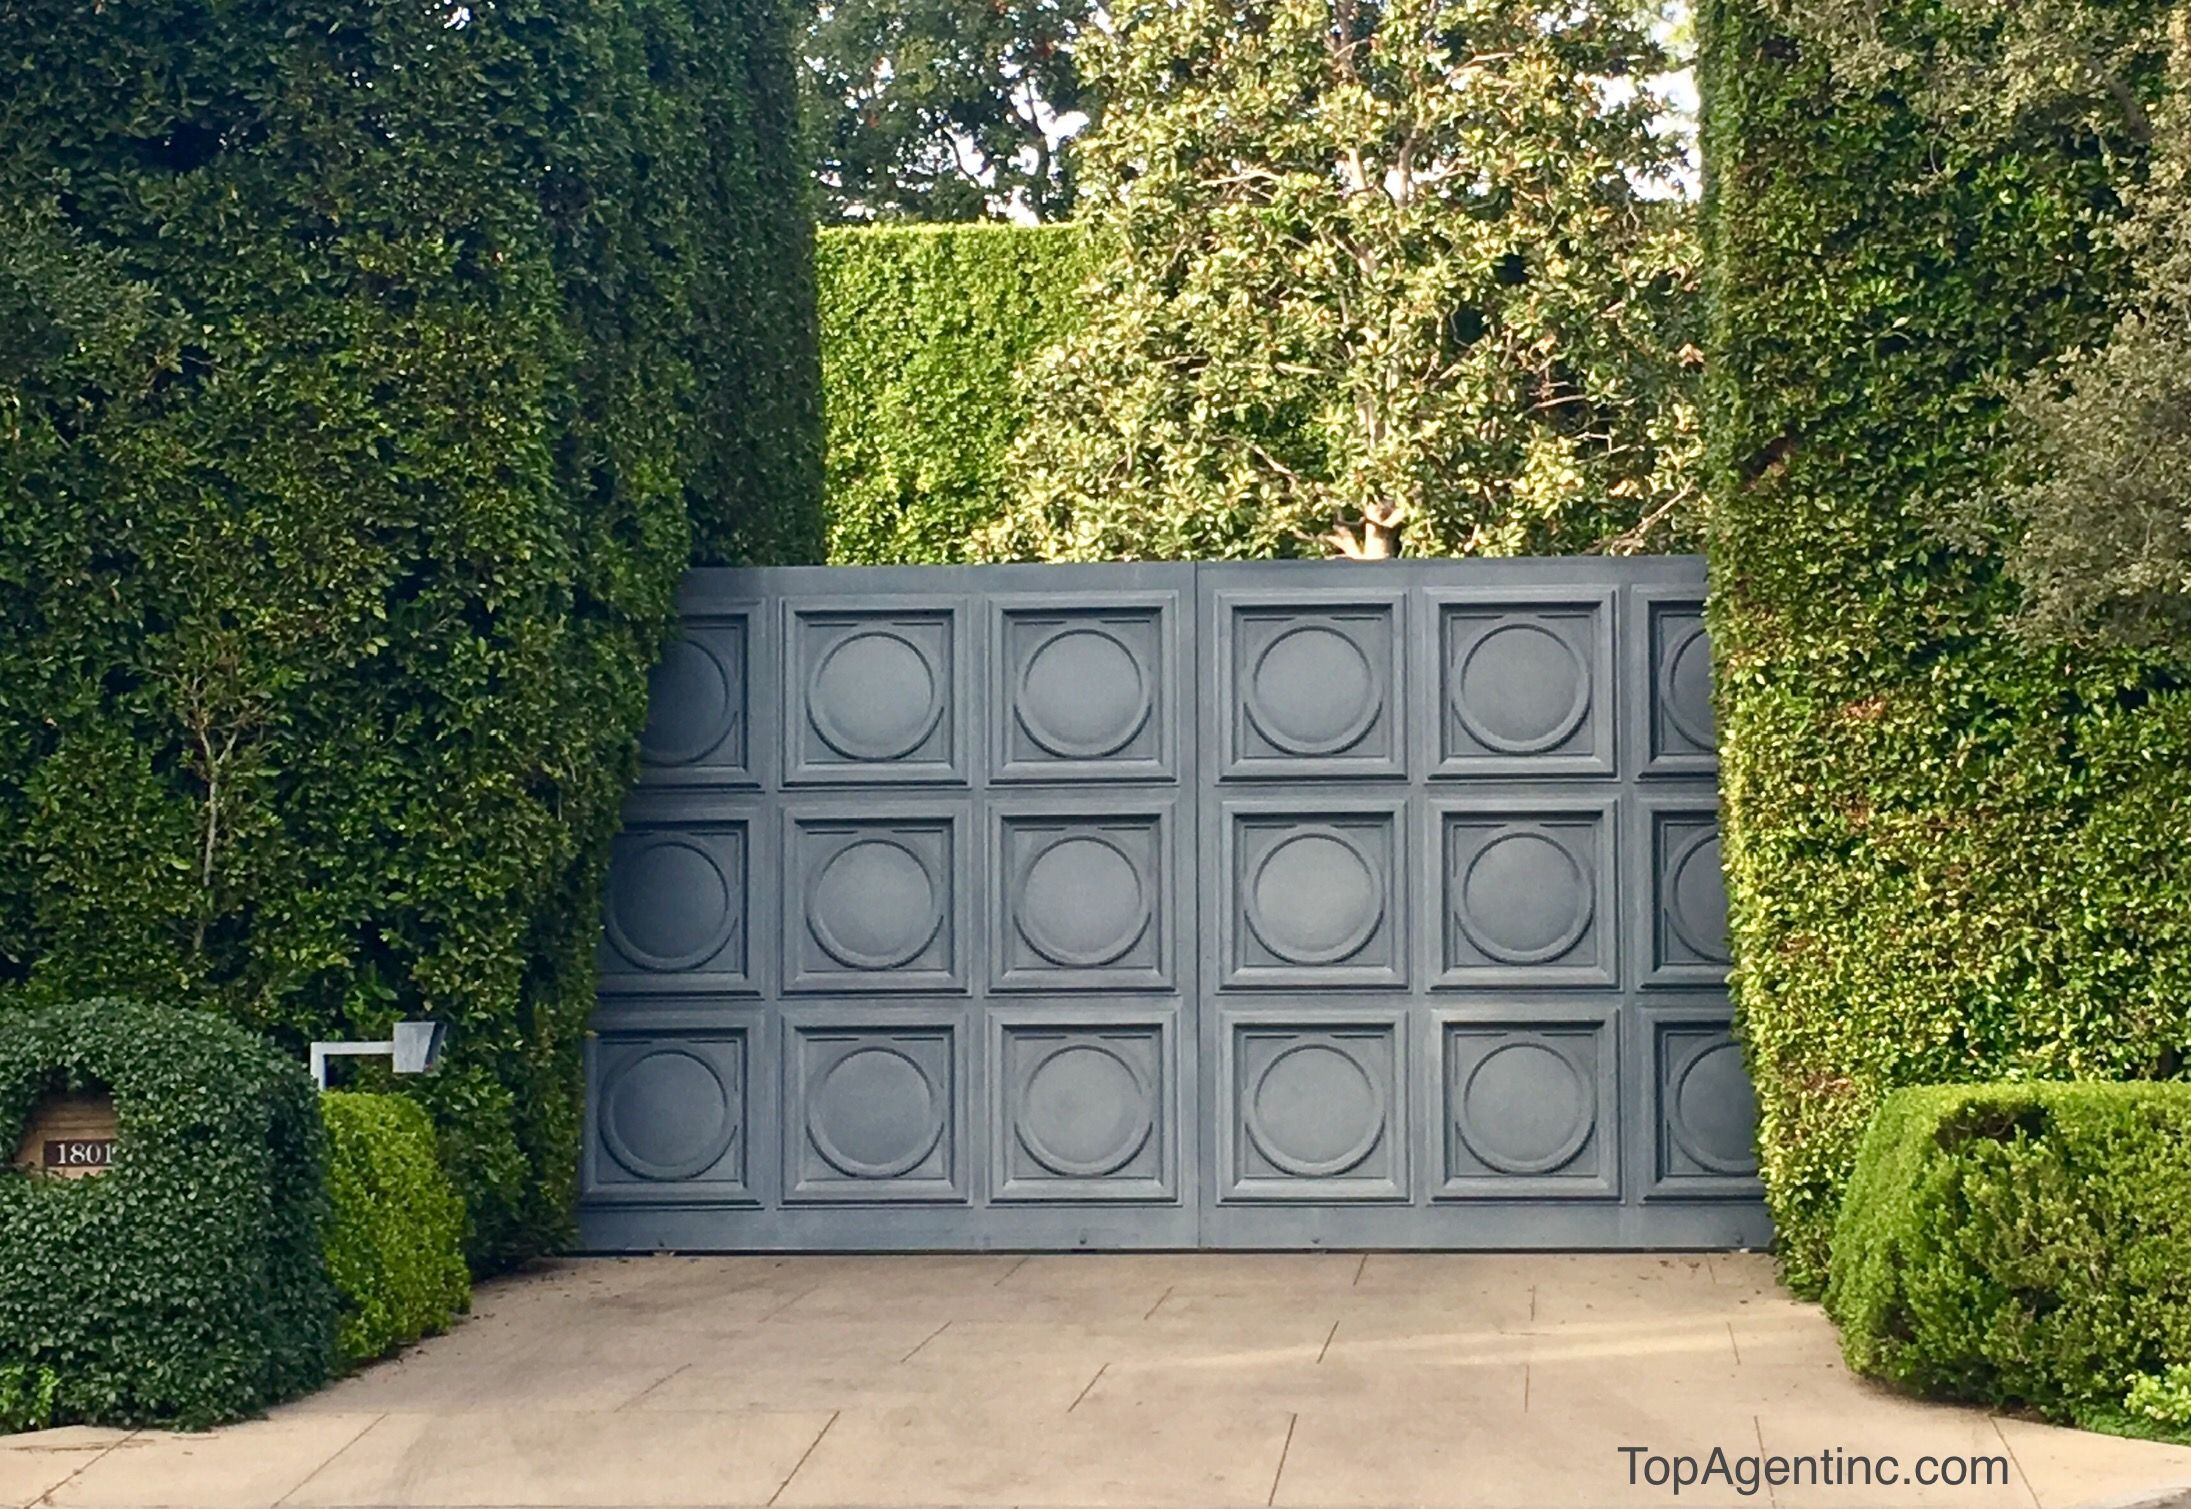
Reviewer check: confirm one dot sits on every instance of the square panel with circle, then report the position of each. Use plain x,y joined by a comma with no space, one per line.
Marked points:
1313,895
874,1112
1681,736
675,909
1529,1101
668,1118
1525,686
1315,1110
1527,892
873,903
1085,1109
875,695
1704,1112
1687,920
698,714
1084,693
1082,900
1312,688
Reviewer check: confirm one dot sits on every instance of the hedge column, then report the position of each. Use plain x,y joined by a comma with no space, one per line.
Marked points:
1951,858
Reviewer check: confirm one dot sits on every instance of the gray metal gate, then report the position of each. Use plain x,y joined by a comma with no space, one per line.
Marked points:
1269,905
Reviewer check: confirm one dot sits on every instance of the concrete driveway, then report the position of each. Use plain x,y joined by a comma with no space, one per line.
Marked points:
1196,1380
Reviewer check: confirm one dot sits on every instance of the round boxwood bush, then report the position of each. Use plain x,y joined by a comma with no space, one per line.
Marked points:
395,1248
188,1284
2025,1245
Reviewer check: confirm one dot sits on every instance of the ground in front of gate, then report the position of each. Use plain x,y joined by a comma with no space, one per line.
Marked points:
1204,1379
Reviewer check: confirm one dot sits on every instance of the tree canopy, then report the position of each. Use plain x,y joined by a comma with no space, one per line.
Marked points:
1416,267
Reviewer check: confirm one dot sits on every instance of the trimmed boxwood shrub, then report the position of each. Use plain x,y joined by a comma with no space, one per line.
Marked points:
1951,856
923,330
395,1242
359,365
2025,1245
186,1285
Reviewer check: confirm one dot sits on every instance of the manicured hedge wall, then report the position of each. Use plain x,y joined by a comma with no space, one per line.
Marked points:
923,328
395,1235
347,412
187,1284
756,484
1951,858
2024,1245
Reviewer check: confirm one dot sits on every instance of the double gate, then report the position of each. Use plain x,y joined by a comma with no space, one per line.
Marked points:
1267,905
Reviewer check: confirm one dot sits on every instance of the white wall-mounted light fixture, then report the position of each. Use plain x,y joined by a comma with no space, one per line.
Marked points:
416,1049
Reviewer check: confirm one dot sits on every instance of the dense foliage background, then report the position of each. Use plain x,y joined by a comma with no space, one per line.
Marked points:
925,332
355,368
1956,852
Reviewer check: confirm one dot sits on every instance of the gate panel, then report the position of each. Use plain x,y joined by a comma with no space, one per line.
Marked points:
1278,905
1468,936
900,932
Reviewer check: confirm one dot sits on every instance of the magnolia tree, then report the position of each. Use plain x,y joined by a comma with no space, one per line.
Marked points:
1416,271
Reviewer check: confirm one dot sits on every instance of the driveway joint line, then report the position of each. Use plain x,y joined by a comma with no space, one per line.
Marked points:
324,1462
1283,1452
1023,1262
931,1336
1084,1393
1167,1294
1358,1267
1734,1343
799,1465
47,1496
2022,1476
657,1383
1334,1331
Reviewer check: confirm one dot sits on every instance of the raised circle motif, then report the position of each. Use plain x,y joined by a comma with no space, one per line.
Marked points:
1685,688
874,905
692,705
670,905
1696,896
1523,898
1314,1112
668,1115
875,1115
1085,1112
1081,902
1524,1108
1314,897
1712,1110
874,696
1521,689
1312,691
1082,694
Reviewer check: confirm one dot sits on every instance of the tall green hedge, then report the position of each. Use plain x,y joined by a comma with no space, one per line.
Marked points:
1951,858
923,329
350,360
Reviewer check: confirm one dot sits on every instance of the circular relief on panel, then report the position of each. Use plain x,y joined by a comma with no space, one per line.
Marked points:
670,904
1313,692
1521,689
1081,903
874,1115
668,1115
1711,1109
1085,1112
1696,897
1314,897
1685,688
874,696
1082,694
873,905
1314,1111
691,706
1525,1108
1523,898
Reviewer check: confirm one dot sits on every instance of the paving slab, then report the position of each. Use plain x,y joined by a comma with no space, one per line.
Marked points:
249,1466
497,1457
